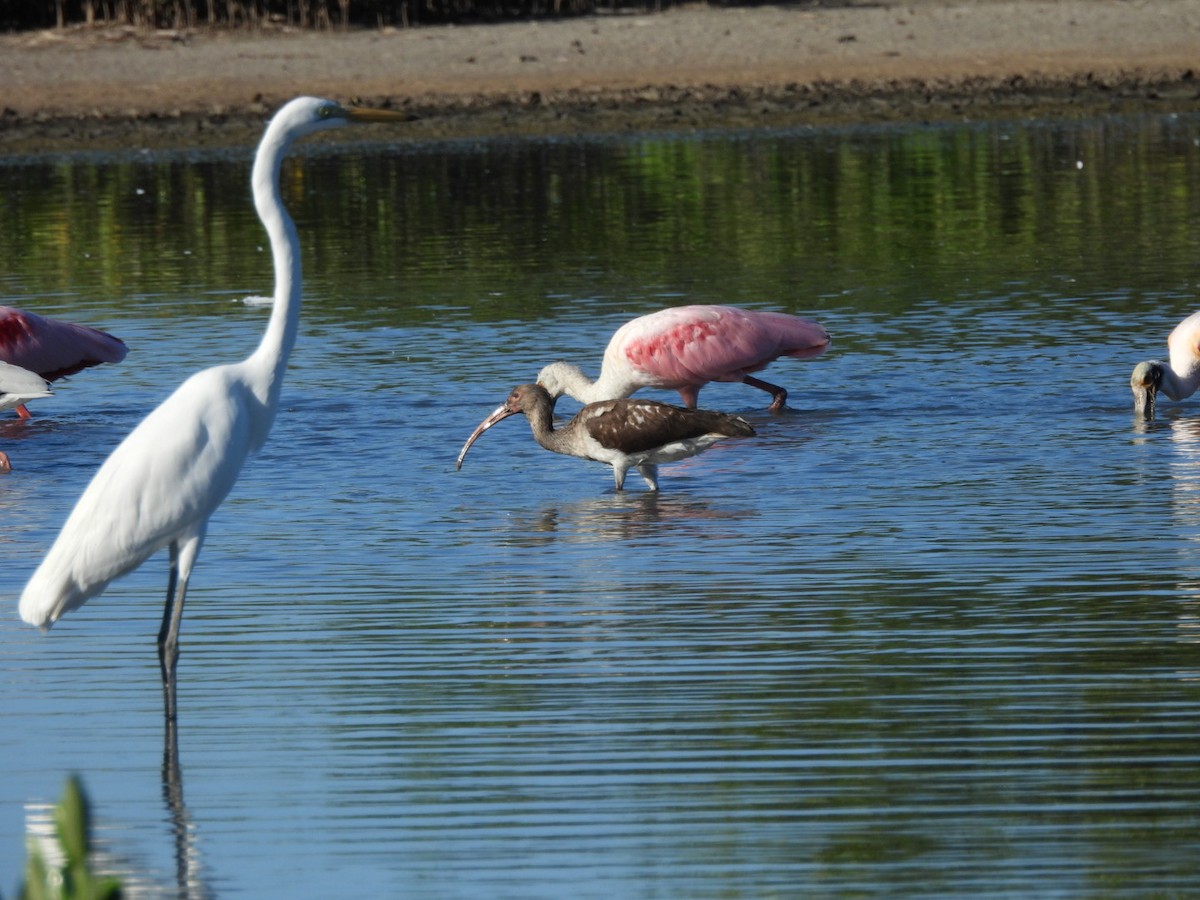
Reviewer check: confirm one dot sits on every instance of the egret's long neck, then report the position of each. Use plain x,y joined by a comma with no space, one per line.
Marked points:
269,361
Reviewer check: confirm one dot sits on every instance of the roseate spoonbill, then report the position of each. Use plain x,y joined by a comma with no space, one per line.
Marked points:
159,487
53,348
622,433
1179,379
683,348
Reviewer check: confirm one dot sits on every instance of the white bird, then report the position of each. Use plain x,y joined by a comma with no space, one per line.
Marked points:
1178,380
16,386
163,482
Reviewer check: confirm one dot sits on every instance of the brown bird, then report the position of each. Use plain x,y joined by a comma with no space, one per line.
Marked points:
622,433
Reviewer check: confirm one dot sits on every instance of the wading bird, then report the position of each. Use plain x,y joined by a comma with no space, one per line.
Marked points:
16,386
683,348
622,433
163,482
1179,379
53,348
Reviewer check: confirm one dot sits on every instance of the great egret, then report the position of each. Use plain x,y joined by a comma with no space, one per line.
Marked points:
53,348
1179,379
683,348
622,433
163,482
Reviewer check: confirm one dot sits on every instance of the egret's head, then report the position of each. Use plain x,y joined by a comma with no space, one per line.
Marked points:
1145,381
306,115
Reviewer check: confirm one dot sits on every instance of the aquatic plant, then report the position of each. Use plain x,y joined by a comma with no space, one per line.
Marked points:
70,877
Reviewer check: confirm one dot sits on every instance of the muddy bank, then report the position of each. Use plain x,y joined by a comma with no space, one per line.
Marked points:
686,69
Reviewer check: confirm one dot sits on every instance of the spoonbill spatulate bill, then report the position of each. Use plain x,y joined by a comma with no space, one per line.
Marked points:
1177,379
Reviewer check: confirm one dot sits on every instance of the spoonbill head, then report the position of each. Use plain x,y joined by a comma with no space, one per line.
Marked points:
1177,379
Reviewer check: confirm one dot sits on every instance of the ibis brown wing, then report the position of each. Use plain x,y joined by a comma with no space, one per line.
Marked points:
635,426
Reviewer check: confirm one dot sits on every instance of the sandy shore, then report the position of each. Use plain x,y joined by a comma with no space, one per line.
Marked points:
687,68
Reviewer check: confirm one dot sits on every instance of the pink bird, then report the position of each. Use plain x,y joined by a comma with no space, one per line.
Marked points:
51,348
685,347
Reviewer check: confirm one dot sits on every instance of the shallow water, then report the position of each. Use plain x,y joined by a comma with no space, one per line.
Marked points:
933,631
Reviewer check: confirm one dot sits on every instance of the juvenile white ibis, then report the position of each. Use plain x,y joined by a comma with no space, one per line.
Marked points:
683,348
1179,379
623,433
53,348
16,386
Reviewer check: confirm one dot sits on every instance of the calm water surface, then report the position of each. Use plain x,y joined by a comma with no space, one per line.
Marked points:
933,632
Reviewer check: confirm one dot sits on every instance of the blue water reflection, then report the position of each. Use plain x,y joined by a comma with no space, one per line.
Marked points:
932,632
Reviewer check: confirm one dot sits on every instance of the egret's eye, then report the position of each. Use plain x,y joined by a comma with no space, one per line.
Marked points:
326,112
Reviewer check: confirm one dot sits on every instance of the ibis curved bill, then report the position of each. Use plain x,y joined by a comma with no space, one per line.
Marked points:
622,433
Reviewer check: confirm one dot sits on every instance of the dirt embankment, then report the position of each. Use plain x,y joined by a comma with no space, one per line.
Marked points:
688,68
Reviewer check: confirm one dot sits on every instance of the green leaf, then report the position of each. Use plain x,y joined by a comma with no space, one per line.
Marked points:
72,819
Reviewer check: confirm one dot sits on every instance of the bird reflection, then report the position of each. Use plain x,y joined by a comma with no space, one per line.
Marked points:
1184,469
189,880
614,517
42,831
9,429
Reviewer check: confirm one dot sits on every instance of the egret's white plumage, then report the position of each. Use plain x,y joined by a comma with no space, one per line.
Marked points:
163,482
